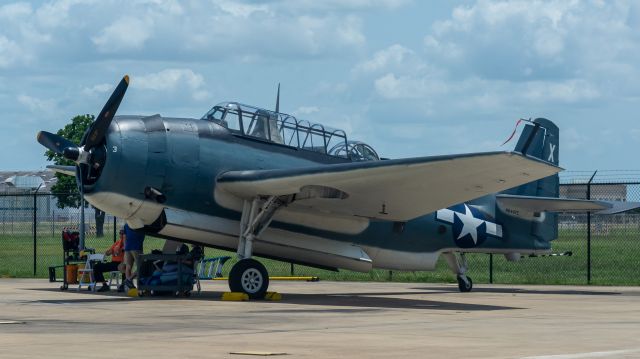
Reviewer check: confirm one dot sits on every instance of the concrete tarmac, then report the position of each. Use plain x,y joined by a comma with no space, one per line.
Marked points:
324,319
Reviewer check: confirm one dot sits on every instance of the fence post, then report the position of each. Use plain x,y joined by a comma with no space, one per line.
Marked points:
292,272
589,230
35,234
491,268
115,223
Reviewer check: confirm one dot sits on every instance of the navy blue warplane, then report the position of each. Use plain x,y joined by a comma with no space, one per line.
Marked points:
264,183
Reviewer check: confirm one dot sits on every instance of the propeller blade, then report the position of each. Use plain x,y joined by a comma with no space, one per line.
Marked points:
66,170
100,126
54,142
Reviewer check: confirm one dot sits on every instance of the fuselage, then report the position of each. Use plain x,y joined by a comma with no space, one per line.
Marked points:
182,158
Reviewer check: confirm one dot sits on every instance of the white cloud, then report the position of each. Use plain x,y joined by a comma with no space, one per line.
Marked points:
10,52
242,10
144,30
305,110
569,91
407,87
97,89
350,31
170,80
127,33
337,5
54,14
497,54
394,55
165,6
14,11
519,40
37,105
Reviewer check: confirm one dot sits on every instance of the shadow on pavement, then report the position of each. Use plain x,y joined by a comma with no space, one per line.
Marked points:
452,289
369,301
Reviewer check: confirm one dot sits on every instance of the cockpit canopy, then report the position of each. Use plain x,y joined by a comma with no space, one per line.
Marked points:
286,130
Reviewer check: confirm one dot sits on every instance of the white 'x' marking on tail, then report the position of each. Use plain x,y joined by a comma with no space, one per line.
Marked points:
552,148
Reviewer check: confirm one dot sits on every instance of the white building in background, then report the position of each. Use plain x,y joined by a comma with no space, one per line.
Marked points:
16,195
21,182
17,189
600,192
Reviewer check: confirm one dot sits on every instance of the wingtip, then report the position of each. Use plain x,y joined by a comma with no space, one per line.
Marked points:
126,79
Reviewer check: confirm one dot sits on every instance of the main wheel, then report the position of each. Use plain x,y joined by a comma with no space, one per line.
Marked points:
465,284
249,276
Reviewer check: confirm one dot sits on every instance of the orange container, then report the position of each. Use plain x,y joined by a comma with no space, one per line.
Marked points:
72,274
86,277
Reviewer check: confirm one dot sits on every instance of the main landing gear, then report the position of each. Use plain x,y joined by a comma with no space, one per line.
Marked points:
249,275
458,264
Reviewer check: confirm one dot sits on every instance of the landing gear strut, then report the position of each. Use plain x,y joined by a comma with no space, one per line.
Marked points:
249,275
458,264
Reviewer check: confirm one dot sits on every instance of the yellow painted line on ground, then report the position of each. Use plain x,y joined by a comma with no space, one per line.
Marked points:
235,296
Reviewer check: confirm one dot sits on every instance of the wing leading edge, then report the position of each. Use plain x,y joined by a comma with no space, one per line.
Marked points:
395,190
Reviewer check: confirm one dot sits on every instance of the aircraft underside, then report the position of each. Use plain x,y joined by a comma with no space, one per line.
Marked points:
224,233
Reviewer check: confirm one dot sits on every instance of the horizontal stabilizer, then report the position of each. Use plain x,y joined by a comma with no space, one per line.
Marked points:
524,205
619,207
65,170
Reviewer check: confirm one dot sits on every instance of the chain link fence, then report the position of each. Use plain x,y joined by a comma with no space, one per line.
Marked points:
590,249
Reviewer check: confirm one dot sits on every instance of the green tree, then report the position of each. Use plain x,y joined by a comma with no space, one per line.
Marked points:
66,189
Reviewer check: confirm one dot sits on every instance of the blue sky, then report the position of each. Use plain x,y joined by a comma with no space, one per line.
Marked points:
411,78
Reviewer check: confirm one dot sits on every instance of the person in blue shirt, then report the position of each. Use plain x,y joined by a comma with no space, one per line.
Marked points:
132,250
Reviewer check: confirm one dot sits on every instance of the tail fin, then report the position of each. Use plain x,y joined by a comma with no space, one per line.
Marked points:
539,139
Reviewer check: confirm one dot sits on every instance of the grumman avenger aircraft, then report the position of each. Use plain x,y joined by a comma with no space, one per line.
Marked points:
264,183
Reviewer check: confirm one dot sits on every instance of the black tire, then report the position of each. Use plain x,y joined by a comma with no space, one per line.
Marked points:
465,286
251,277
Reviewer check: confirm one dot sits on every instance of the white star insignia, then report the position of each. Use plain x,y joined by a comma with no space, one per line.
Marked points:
470,224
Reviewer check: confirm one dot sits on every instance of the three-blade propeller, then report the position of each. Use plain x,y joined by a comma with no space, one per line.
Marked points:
93,137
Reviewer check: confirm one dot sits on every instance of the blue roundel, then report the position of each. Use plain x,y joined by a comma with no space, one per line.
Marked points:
469,226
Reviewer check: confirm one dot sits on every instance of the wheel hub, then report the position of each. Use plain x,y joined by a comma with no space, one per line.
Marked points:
251,280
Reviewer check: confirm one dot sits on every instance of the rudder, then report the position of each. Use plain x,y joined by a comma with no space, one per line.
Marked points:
540,139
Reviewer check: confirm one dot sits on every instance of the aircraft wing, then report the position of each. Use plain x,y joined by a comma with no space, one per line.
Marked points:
512,203
395,190
66,170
